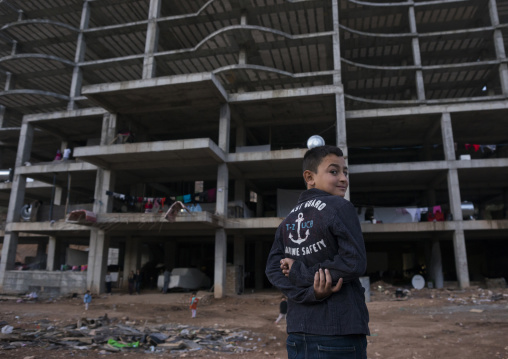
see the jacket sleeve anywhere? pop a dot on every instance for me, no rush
(350, 261)
(304, 294)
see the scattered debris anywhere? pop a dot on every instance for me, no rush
(112, 335)
(474, 295)
(495, 283)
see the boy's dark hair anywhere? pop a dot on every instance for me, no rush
(314, 156)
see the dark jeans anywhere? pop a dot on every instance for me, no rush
(305, 346)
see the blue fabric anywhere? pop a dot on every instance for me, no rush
(305, 346)
(187, 198)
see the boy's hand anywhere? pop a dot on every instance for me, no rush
(323, 284)
(285, 265)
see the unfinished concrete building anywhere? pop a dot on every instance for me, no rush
(211, 102)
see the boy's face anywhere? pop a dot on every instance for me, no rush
(331, 176)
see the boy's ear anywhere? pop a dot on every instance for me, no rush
(308, 177)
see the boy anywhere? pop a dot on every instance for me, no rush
(283, 310)
(87, 299)
(194, 304)
(316, 260)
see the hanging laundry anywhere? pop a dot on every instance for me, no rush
(474, 146)
(212, 195)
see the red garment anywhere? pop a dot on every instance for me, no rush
(194, 302)
(439, 216)
(431, 217)
(468, 146)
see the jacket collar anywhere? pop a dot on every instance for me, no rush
(312, 193)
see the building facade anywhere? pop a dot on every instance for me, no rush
(212, 102)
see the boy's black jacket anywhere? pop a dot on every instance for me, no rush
(322, 231)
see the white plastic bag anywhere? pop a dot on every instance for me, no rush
(7, 329)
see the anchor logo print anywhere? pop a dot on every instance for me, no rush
(299, 221)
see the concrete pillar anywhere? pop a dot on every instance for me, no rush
(16, 199)
(99, 242)
(447, 135)
(499, 46)
(415, 44)
(77, 75)
(454, 195)
(259, 273)
(221, 209)
(105, 180)
(10, 245)
(152, 40)
(337, 80)
(109, 129)
(9, 78)
(220, 263)
(221, 206)
(239, 259)
(436, 265)
(50, 260)
(224, 127)
(459, 243)
(242, 53)
(459, 247)
(97, 260)
(341, 137)
(455, 203)
(26, 137)
(340, 104)
(57, 200)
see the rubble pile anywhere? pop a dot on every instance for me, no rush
(382, 291)
(112, 335)
(478, 296)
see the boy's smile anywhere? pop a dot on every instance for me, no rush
(331, 176)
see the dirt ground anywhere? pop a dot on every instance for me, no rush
(426, 323)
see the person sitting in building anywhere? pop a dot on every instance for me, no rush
(58, 156)
(123, 136)
(67, 154)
